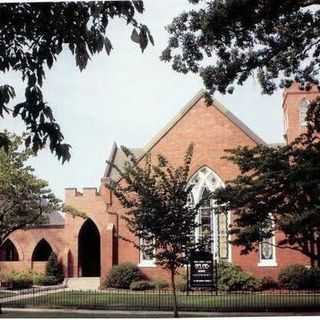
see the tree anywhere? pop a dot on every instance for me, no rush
(278, 190)
(158, 211)
(25, 200)
(32, 37)
(54, 268)
(228, 41)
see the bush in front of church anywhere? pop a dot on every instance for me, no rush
(122, 275)
(296, 276)
(142, 285)
(17, 280)
(232, 278)
(54, 270)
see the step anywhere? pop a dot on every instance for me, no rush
(83, 283)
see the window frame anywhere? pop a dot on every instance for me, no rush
(268, 262)
(303, 109)
(145, 262)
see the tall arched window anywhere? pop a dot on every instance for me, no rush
(42, 251)
(303, 109)
(9, 251)
(213, 227)
(206, 216)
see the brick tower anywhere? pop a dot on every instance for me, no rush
(295, 105)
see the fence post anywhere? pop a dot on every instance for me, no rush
(159, 299)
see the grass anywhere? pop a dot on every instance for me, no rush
(163, 301)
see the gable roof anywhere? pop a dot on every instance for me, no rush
(119, 158)
(216, 104)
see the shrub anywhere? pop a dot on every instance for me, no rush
(54, 268)
(293, 277)
(141, 285)
(232, 278)
(181, 284)
(38, 278)
(268, 283)
(182, 281)
(122, 275)
(313, 278)
(296, 276)
(160, 284)
(19, 280)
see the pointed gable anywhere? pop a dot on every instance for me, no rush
(191, 123)
(217, 105)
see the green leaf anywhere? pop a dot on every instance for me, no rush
(135, 36)
(107, 45)
(143, 39)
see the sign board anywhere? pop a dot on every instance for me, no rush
(202, 270)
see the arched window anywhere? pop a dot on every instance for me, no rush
(303, 109)
(9, 251)
(206, 216)
(42, 251)
(213, 227)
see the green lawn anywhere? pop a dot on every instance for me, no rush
(163, 301)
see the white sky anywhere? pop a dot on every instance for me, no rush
(128, 97)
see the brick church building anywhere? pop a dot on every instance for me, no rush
(90, 247)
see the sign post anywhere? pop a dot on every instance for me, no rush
(202, 274)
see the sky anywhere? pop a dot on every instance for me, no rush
(128, 97)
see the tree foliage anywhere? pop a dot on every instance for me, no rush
(227, 41)
(32, 37)
(283, 181)
(25, 200)
(156, 198)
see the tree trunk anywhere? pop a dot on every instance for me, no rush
(175, 305)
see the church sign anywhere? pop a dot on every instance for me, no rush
(201, 270)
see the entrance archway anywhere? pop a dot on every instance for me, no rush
(9, 251)
(89, 250)
(42, 251)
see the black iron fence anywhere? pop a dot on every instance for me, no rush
(275, 300)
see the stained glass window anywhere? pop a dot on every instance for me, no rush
(212, 232)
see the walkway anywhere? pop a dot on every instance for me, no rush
(69, 313)
(21, 296)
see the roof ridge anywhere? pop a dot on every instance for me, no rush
(239, 123)
(218, 105)
(174, 120)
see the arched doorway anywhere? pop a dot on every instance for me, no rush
(42, 251)
(8, 251)
(89, 250)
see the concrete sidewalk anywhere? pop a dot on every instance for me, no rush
(29, 295)
(72, 313)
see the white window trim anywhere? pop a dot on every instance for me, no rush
(268, 262)
(146, 263)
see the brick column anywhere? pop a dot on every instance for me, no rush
(106, 251)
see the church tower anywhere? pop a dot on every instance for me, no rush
(295, 105)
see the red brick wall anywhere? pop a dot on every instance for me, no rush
(212, 133)
(292, 98)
